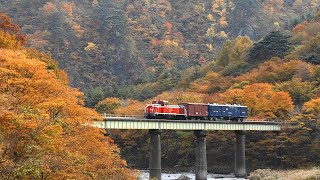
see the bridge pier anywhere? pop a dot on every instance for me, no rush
(155, 155)
(240, 158)
(201, 155)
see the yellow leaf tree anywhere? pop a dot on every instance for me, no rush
(261, 99)
(42, 125)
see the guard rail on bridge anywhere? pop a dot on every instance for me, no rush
(164, 124)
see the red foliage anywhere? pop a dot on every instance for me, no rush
(6, 25)
(155, 42)
(300, 27)
(168, 25)
(68, 7)
(202, 61)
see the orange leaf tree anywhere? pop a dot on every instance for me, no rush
(42, 125)
(7, 26)
(261, 100)
(312, 108)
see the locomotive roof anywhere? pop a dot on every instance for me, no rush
(153, 104)
(171, 105)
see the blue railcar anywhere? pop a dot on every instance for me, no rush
(227, 111)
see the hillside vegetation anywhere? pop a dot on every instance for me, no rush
(42, 132)
(108, 47)
(278, 81)
(264, 54)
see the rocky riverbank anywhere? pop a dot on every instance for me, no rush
(297, 174)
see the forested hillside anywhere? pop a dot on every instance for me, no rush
(42, 120)
(277, 77)
(109, 47)
(264, 54)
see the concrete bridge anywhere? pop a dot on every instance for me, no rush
(200, 128)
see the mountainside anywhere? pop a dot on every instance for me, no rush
(263, 54)
(44, 126)
(106, 46)
(277, 78)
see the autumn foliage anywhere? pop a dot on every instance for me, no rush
(277, 77)
(42, 126)
(7, 26)
(131, 107)
(108, 105)
(261, 100)
(279, 71)
(182, 51)
(312, 107)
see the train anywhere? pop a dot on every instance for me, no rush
(160, 109)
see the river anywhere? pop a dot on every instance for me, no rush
(144, 175)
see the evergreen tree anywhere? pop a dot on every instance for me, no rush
(94, 95)
(274, 45)
(311, 51)
(312, 58)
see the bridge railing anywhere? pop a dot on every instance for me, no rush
(284, 124)
(122, 116)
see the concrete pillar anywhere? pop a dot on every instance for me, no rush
(240, 158)
(155, 155)
(201, 155)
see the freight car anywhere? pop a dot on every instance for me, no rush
(196, 111)
(227, 112)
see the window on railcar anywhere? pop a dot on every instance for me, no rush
(230, 111)
(237, 111)
(244, 111)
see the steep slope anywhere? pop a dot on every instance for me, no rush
(42, 120)
(281, 85)
(92, 43)
(106, 46)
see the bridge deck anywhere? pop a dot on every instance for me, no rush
(133, 123)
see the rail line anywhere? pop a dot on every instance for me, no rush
(142, 118)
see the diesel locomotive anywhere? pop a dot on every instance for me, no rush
(160, 109)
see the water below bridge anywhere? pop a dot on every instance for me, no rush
(144, 175)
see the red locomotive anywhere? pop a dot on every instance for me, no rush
(160, 109)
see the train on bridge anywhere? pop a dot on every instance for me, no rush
(160, 109)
